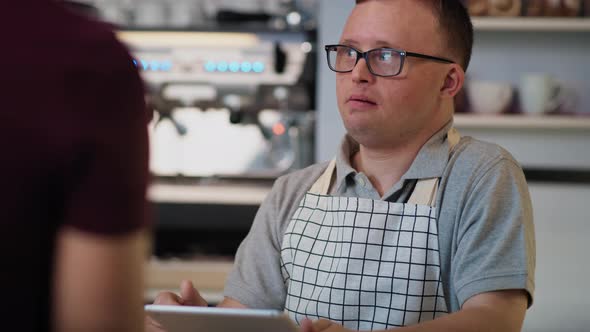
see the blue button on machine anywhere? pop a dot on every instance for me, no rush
(166, 66)
(145, 65)
(222, 66)
(258, 67)
(154, 65)
(234, 66)
(210, 66)
(246, 67)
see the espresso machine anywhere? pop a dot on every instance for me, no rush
(227, 104)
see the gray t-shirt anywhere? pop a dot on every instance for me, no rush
(486, 232)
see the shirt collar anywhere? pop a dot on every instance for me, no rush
(348, 147)
(429, 163)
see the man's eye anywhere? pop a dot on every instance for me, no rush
(351, 53)
(385, 56)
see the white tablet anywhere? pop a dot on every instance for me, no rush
(210, 319)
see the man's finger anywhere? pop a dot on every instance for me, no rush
(168, 298)
(316, 326)
(190, 296)
(321, 325)
(307, 325)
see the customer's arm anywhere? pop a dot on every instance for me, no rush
(101, 243)
(98, 281)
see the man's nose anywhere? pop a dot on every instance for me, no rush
(361, 73)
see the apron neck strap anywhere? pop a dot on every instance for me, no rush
(322, 185)
(426, 189)
(453, 138)
(424, 192)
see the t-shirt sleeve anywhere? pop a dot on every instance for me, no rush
(495, 241)
(256, 280)
(107, 178)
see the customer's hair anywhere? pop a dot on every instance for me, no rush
(455, 23)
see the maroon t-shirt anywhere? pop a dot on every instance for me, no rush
(73, 145)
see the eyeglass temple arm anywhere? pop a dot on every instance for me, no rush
(424, 56)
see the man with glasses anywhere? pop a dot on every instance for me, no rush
(410, 227)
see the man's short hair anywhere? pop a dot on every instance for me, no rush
(455, 23)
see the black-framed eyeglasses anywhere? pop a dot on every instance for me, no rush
(383, 61)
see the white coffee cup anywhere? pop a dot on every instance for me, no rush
(489, 97)
(540, 94)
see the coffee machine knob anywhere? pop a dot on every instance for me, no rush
(235, 116)
(234, 104)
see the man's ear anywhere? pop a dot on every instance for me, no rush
(453, 81)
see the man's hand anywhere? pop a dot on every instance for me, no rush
(322, 325)
(189, 296)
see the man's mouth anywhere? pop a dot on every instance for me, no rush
(361, 99)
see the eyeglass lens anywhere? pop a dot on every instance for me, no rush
(380, 61)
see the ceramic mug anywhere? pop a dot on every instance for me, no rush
(489, 97)
(540, 93)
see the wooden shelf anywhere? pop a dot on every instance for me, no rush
(544, 142)
(522, 122)
(547, 24)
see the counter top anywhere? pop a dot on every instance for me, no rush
(227, 193)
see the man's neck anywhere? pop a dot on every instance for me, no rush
(385, 167)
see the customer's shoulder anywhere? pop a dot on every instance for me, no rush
(80, 38)
(100, 42)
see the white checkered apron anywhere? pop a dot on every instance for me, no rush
(365, 264)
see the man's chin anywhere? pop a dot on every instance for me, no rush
(361, 134)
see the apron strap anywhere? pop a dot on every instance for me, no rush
(424, 193)
(453, 137)
(426, 189)
(322, 185)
